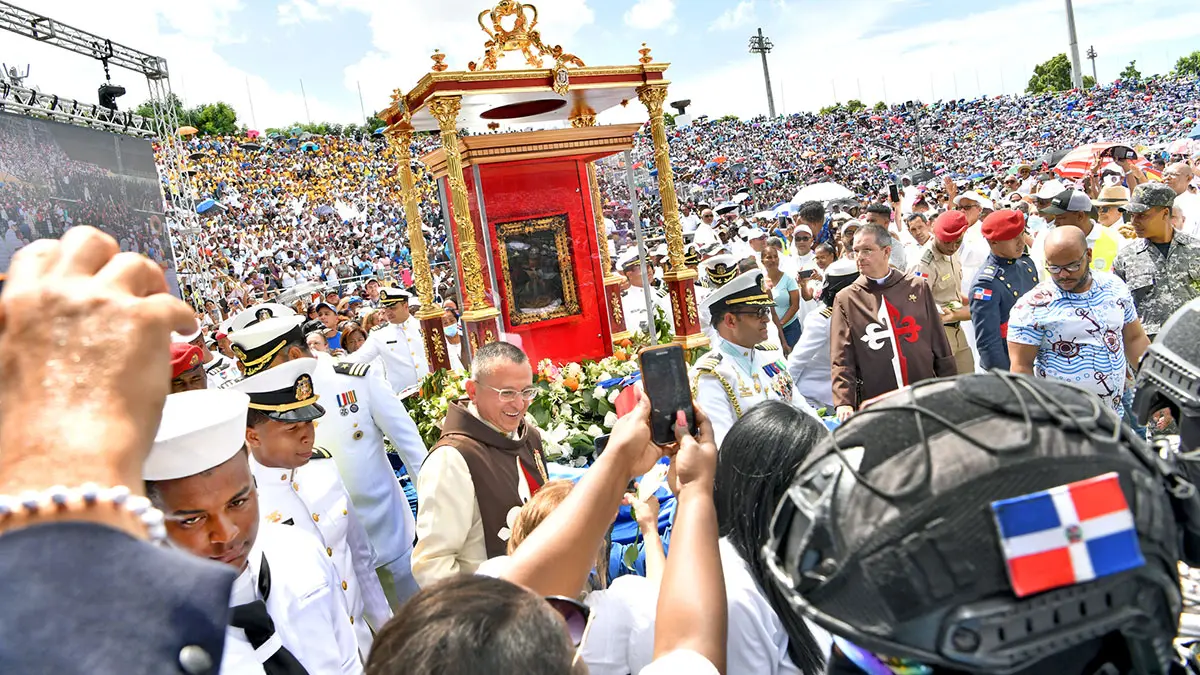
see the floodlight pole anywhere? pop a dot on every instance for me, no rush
(762, 46)
(1076, 70)
(1091, 54)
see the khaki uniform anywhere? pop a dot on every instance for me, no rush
(944, 275)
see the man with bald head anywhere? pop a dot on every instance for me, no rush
(1178, 177)
(1079, 326)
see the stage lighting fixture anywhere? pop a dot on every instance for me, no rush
(109, 93)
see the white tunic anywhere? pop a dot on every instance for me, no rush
(313, 499)
(636, 317)
(401, 350)
(310, 619)
(221, 372)
(810, 364)
(730, 380)
(355, 439)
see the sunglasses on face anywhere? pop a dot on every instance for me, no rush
(760, 313)
(578, 618)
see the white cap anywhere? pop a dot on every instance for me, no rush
(199, 430)
(1051, 189)
(284, 393)
(627, 258)
(718, 270)
(176, 337)
(974, 197)
(801, 226)
(745, 290)
(260, 312)
(659, 250)
(755, 233)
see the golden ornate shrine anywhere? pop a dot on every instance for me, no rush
(529, 177)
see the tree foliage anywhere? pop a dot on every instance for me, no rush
(1188, 66)
(215, 119)
(1055, 75)
(1131, 72)
(729, 118)
(854, 105)
(880, 107)
(831, 109)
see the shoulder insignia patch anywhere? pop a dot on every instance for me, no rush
(355, 369)
(927, 257)
(766, 347)
(988, 273)
(827, 312)
(708, 362)
(321, 453)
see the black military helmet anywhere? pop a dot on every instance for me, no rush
(985, 523)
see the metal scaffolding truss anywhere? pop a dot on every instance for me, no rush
(48, 106)
(173, 167)
(47, 30)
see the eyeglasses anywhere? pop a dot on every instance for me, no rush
(1073, 267)
(865, 251)
(759, 313)
(803, 238)
(510, 395)
(578, 618)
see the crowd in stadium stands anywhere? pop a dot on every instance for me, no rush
(296, 209)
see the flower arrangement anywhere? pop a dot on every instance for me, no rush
(575, 404)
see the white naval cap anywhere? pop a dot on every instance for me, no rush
(199, 430)
(391, 295)
(718, 270)
(628, 258)
(284, 393)
(261, 312)
(746, 290)
(178, 337)
(256, 346)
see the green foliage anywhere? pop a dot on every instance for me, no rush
(184, 116)
(855, 105)
(373, 123)
(669, 119)
(1055, 75)
(831, 109)
(1188, 66)
(880, 107)
(729, 118)
(215, 119)
(1131, 72)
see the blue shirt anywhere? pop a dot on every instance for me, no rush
(1079, 336)
(783, 297)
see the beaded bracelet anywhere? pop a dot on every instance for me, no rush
(59, 499)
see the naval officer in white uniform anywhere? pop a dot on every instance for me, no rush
(637, 318)
(366, 410)
(299, 485)
(741, 371)
(398, 344)
(288, 609)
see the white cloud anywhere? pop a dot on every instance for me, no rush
(299, 11)
(650, 14)
(735, 17)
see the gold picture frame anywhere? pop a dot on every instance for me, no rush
(534, 295)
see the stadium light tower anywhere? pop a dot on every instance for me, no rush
(762, 46)
(1091, 54)
(1076, 70)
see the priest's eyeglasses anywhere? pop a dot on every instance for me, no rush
(510, 395)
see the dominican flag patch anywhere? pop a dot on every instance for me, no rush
(983, 294)
(920, 275)
(1067, 535)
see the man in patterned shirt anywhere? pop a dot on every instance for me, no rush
(1079, 326)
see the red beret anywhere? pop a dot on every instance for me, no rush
(950, 226)
(1003, 225)
(184, 357)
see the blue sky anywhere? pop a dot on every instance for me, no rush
(259, 50)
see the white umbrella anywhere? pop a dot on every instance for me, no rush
(821, 192)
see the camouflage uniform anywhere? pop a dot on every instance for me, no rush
(1159, 286)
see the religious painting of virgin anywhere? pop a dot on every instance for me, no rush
(538, 268)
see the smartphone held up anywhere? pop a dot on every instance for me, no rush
(665, 380)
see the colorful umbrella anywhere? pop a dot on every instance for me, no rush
(253, 134)
(1078, 163)
(188, 131)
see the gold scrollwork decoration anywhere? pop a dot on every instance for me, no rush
(489, 336)
(691, 306)
(507, 234)
(523, 37)
(653, 96)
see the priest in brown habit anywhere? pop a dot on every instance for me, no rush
(487, 463)
(885, 332)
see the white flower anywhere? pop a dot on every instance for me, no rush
(603, 377)
(610, 419)
(594, 431)
(612, 395)
(598, 392)
(654, 479)
(556, 435)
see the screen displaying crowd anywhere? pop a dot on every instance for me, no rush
(54, 176)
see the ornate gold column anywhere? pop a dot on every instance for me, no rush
(679, 279)
(480, 315)
(430, 314)
(612, 282)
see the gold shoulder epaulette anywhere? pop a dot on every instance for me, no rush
(708, 362)
(321, 453)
